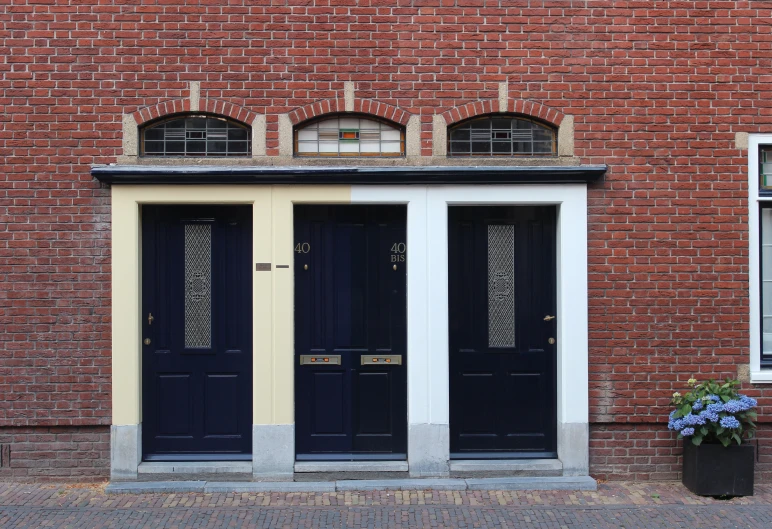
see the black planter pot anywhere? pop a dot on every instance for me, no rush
(712, 470)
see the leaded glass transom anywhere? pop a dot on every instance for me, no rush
(501, 136)
(196, 136)
(349, 136)
(501, 286)
(198, 285)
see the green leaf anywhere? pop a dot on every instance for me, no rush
(697, 440)
(704, 430)
(725, 441)
(737, 438)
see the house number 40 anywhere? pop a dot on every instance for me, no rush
(302, 247)
(398, 252)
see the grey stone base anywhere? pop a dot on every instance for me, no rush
(486, 468)
(351, 466)
(194, 467)
(522, 483)
(273, 451)
(428, 450)
(574, 448)
(125, 451)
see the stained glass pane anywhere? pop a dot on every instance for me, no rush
(501, 285)
(501, 136)
(349, 136)
(196, 136)
(198, 285)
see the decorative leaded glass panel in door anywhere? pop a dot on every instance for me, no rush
(501, 286)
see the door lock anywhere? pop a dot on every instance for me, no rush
(549, 318)
(551, 341)
(150, 318)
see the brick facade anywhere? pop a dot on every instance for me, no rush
(657, 89)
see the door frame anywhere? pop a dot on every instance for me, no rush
(427, 287)
(428, 317)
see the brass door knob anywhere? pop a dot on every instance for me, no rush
(146, 341)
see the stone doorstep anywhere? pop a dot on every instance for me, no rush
(351, 466)
(192, 467)
(520, 467)
(509, 483)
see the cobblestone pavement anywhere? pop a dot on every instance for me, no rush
(618, 505)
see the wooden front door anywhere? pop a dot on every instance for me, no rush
(502, 331)
(350, 332)
(197, 332)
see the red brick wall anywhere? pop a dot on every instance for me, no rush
(657, 90)
(79, 453)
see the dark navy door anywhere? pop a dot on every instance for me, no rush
(197, 332)
(502, 331)
(350, 332)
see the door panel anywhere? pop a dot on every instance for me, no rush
(350, 301)
(502, 366)
(197, 317)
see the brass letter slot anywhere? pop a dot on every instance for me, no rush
(313, 360)
(375, 360)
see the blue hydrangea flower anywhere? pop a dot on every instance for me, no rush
(709, 415)
(715, 408)
(697, 406)
(729, 422)
(686, 432)
(714, 398)
(747, 402)
(733, 406)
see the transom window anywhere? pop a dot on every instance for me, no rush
(349, 136)
(196, 135)
(501, 136)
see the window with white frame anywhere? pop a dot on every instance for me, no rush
(765, 230)
(760, 255)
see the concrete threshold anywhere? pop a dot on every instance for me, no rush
(193, 467)
(508, 483)
(512, 467)
(351, 466)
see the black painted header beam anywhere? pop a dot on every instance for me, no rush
(184, 174)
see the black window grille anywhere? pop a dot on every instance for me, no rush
(501, 136)
(196, 136)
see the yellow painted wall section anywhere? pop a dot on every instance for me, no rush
(273, 338)
(282, 408)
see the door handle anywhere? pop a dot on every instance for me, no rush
(549, 318)
(150, 318)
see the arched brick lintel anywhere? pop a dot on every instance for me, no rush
(361, 106)
(517, 106)
(209, 106)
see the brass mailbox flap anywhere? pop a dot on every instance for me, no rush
(308, 360)
(369, 360)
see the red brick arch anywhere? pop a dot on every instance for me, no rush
(210, 106)
(490, 106)
(362, 106)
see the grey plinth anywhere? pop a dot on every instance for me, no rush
(125, 451)
(273, 452)
(574, 448)
(428, 450)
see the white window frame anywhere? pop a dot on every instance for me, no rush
(758, 376)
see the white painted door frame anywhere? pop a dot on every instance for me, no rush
(428, 330)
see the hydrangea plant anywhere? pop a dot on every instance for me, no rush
(712, 412)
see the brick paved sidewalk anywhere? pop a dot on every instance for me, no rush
(618, 505)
